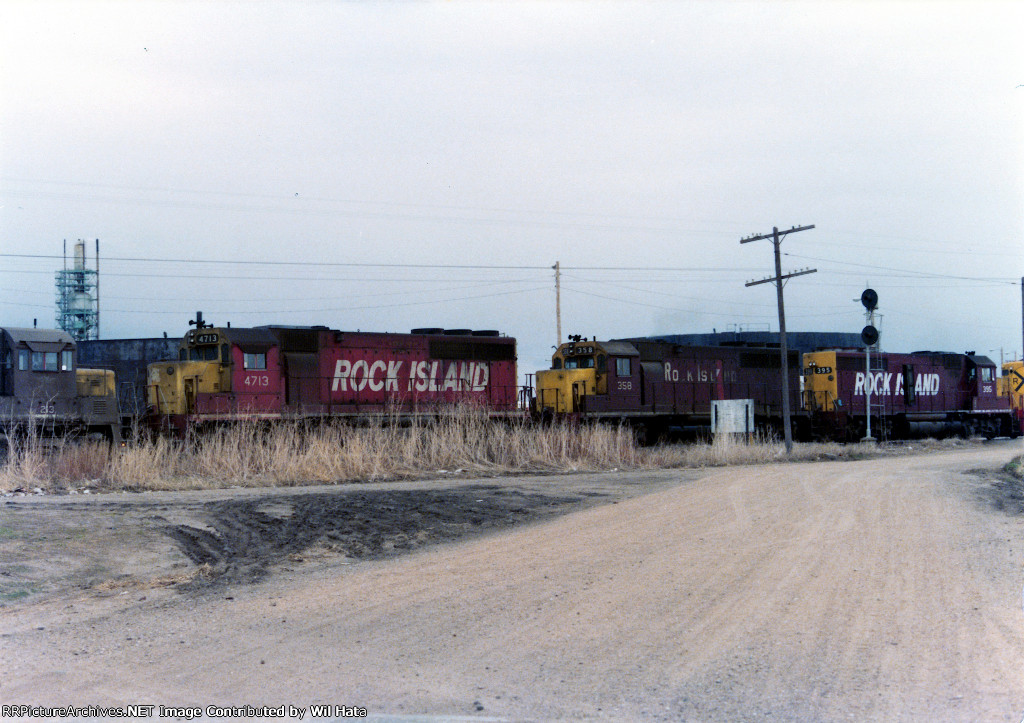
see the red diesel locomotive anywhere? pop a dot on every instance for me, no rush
(661, 388)
(911, 395)
(278, 372)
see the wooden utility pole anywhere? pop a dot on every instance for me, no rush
(97, 288)
(558, 301)
(776, 238)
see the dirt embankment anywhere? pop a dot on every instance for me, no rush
(186, 541)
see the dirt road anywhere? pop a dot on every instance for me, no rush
(887, 589)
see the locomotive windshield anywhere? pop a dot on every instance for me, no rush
(202, 353)
(586, 362)
(579, 356)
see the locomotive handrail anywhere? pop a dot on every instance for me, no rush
(160, 397)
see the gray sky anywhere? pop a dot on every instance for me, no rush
(636, 143)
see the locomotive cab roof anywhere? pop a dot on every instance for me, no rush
(980, 360)
(611, 348)
(35, 338)
(229, 333)
(618, 348)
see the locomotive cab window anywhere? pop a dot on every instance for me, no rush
(556, 363)
(23, 360)
(203, 353)
(586, 362)
(623, 368)
(44, 361)
(602, 364)
(225, 354)
(987, 374)
(255, 361)
(65, 361)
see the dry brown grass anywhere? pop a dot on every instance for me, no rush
(463, 441)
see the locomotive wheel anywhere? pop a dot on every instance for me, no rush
(641, 434)
(648, 435)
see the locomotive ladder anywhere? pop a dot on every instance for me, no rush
(878, 364)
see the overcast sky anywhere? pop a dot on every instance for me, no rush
(318, 147)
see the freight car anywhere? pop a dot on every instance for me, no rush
(42, 392)
(911, 395)
(278, 372)
(660, 388)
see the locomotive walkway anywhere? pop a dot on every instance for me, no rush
(887, 589)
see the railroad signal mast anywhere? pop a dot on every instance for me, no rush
(868, 335)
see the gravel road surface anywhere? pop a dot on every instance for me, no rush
(886, 589)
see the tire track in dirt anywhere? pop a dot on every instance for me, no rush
(245, 538)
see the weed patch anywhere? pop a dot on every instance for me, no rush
(462, 442)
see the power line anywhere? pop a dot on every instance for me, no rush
(324, 309)
(245, 262)
(292, 198)
(652, 306)
(911, 272)
(353, 264)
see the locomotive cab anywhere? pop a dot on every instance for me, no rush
(981, 382)
(219, 372)
(821, 390)
(579, 369)
(37, 378)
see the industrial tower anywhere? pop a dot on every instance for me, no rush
(78, 295)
